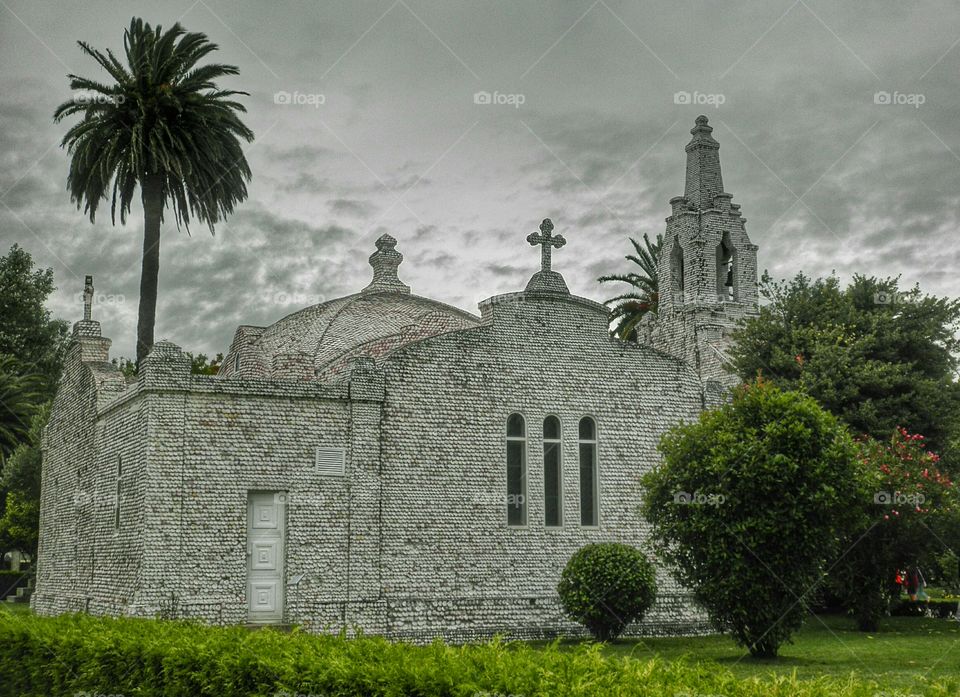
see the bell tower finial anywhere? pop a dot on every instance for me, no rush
(88, 299)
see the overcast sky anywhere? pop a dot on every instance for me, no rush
(588, 132)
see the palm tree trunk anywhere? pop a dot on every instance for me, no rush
(151, 190)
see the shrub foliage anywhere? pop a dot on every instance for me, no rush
(606, 586)
(71, 654)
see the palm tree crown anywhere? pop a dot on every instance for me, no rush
(628, 309)
(162, 124)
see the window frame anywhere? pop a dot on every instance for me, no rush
(596, 471)
(560, 477)
(525, 468)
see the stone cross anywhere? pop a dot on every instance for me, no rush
(88, 298)
(547, 242)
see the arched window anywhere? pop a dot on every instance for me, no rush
(589, 476)
(552, 478)
(516, 470)
(726, 270)
(676, 270)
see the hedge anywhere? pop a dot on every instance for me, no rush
(75, 654)
(938, 607)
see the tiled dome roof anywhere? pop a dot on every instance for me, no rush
(381, 317)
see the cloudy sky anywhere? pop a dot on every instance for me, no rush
(382, 133)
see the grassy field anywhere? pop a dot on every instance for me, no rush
(906, 653)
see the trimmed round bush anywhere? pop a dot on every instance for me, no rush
(606, 586)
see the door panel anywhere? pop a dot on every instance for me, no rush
(265, 554)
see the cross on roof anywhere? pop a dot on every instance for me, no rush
(547, 242)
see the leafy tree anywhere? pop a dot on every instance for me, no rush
(201, 365)
(631, 307)
(162, 125)
(876, 357)
(749, 504)
(20, 490)
(27, 331)
(904, 501)
(606, 586)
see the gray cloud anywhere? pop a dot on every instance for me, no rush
(399, 146)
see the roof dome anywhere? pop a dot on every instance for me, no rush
(319, 341)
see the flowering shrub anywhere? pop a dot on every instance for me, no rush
(905, 499)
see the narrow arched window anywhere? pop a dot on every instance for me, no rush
(516, 470)
(726, 270)
(552, 478)
(589, 476)
(676, 271)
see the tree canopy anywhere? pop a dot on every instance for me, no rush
(877, 357)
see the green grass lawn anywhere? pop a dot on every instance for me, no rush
(907, 652)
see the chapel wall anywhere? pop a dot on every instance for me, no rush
(451, 566)
(213, 442)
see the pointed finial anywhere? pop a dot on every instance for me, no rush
(385, 262)
(702, 130)
(88, 298)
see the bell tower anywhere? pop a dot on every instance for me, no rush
(708, 267)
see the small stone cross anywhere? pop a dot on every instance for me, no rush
(547, 242)
(88, 298)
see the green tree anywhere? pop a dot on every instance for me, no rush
(201, 365)
(874, 356)
(27, 332)
(20, 490)
(628, 309)
(748, 506)
(162, 125)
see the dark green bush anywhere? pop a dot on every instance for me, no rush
(606, 586)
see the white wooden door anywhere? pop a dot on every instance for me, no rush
(265, 532)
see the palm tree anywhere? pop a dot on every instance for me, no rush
(21, 395)
(162, 125)
(628, 309)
